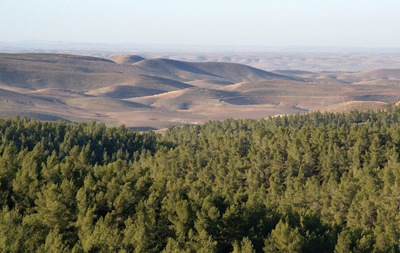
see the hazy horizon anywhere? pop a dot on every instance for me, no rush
(71, 47)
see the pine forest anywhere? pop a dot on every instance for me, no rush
(316, 182)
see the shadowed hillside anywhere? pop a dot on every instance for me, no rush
(237, 72)
(174, 69)
(200, 70)
(138, 86)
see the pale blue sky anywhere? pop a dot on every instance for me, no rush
(350, 23)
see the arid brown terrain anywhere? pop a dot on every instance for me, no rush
(155, 93)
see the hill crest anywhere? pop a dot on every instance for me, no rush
(126, 59)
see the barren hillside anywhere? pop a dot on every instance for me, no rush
(156, 93)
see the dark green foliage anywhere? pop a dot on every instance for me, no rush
(301, 183)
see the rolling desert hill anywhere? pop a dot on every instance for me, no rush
(125, 59)
(188, 71)
(174, 69)
(355, 105)
(186, 99)
(138, 86)
(379, 74)
(237, 72)
(156, 93)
